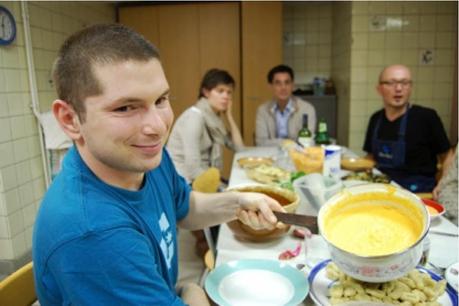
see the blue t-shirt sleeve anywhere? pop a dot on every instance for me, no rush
(115, 267)
(180, 188)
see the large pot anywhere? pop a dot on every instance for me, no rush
(364, 200)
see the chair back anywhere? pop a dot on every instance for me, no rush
(18, 289)
(208, 181)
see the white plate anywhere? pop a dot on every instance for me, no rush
(452, 275)
(256, 282)
(319, 285)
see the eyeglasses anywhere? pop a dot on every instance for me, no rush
(393, 83)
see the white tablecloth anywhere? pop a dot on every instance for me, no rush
(443, 249)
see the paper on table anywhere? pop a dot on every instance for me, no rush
(316, 250)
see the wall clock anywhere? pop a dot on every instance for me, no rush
(7, 26)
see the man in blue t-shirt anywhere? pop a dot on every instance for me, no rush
(106, 233)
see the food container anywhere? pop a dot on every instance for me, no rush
(408, 210)
(288, 199)
(317, 188)
(254, 161)
(308, 160)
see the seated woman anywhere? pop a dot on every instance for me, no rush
(196, 140)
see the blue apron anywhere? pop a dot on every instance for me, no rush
(390, 155)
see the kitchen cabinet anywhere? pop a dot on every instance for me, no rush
(261, 51)
(244, 38)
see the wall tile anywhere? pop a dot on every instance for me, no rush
(19, 246)
(3, 208)
(6, 153)
(376, 7)
(29, 213)
(2, 82)
(372, 94)
(445, 40)
(360, 8)
(17, 127)
(444, 57)
(373, 75)
(425, 75)
(23, 172)
(410, 8)
(358, 108)
(409, 40)
(13, 81)
(375, 58)
(427, 40)
(360, 23)
(24, 78)
(15, 105)
(20, 149)
(10, 58)
(443, 74)
(427, 7)
(359, 58)
(9, 177)
(443, 91)
(425, 90)
(410, 23)
(36, 168)
(4, 229)
(33, 146)
(28, 234)
(392, 56)
(16, 223)
(376, 41)
(394, 7)
(447, 7)
(360, 41)
(446, 23)
(427, 23)
(410, 57)
(5, 130)
(393, 39)
(38, 188)
(358, 75)
(6, 249)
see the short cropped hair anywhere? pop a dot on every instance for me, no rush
(280, 69)
(73, 70)
(213, 78)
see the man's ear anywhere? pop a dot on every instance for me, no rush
(68, 119)
(379, 89)
(205, 92)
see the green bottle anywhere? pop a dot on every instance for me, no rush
(322, 137)
(305, 135)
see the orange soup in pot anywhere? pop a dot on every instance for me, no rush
(373, 224)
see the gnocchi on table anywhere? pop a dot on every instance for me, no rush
(414, 289)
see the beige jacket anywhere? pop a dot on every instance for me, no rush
(265, 131)
(196, 141)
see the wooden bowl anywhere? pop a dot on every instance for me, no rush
(288, 199)
(357, 164)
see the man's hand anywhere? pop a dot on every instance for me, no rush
(256, 210)
(229, 109)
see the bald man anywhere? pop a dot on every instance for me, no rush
(405, 140)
